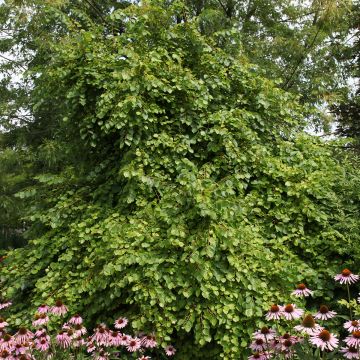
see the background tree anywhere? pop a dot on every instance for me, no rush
(348, 111)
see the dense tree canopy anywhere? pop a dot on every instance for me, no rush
(160, 174)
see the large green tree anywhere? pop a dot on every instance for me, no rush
(347, 111)
(182, 191)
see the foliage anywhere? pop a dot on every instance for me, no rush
(181, 190)
(347, 110)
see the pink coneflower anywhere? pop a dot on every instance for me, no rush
(3, 323)
(102, 355)
(287, 336)
(5, 305)
(308, 326)
(100, 335)
(43, 309)
(23, 336)
(258, 345)
(114, 338)
(324, 340)
(63, 339)
(20, 349)
(66, 326)
(352, 325)
(353, 340)
(274, 313)
(291, 312)
(265, 334)
(121, 322)
(350, 353)
(133, 344)
(346, 277)
(302, 290)
(76, 320)
(324, 313)
(144, 358)
(59, 308)
(5, 354)
(148, 341)
(170, 350)
(40, 319)
(7, 342)
(78, 342)
(90, 347)
(124, 339)
(259, 356)
(42, 344)
(79, 330)
(287, 348)
(39, 332)
(29, 357)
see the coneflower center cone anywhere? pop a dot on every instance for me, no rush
(324, 309)
(308, 321)
(324, 335)
(346, 272)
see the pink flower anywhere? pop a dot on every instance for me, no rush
(284, 342)
(144, 358)
(78, 342)
(290, 312)
(258, 345)
(346, 277)
(42, 344)
(43, 309)
(324, 313)
(308, 326)
(7, 342)
(5, 354)
(259, 356)
(124, 339)
(170, 350)
(3, 323)
(76, 320)
(133, 344)
(20, 349)
(352, 325)
(79, 330)
(121, 323)
(102, 355)
(114, 338)
(41, 319)
(63, 339)
(23, 336)
(148, 341)
(40, 332)
(100, 335)
(353, 340)
(324, 340)
(90, 347)
(350, 353)
(302, 290)
(274, 313)
(265, 334)
(5, 305)
(59, 308)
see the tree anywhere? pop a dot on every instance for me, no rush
(184, 193)
(347, 111)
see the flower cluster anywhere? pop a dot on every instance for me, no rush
(73, 338)
(308, 334)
